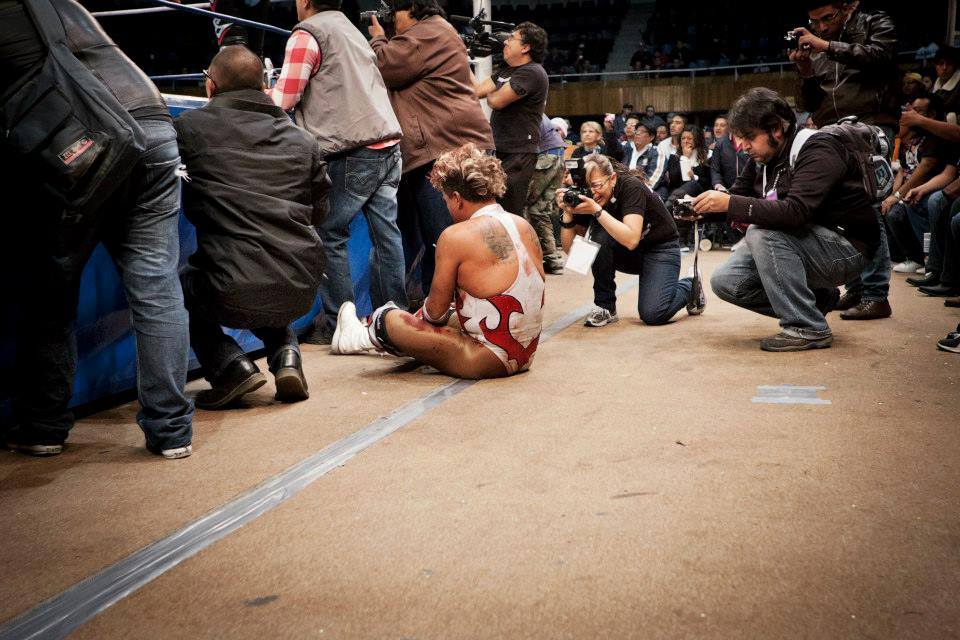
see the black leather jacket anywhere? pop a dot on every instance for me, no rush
(857, 75)
(94, 48)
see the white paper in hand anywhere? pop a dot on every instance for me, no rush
(582, 254)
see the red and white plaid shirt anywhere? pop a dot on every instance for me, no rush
(300, 63)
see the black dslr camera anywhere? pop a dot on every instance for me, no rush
(480, 42)
(384, 14)
(792, 40)
(571, 197)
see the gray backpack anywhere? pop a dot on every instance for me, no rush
(867, 144)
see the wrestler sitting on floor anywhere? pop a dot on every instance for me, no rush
(488, 262)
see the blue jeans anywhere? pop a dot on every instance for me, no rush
(938, 214)
(363, 180)
(660, 295)
(138, 226)
(908, 223)
(422, 216)
(873, 283)
(777, 273)
(950, 275)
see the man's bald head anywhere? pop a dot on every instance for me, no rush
(236, 67)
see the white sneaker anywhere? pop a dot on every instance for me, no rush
(176, 454)
(350, 336)
(908, 267)
(600, 317)
(922, 270)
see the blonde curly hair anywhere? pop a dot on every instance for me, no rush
(470, 172)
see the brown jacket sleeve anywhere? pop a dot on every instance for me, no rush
(399, 60)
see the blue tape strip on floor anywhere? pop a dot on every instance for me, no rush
(65, 612)
(788, 394)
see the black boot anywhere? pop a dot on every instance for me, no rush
(288, 376)
(240, 377)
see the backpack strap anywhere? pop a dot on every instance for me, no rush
(47, 21)
(798, 141)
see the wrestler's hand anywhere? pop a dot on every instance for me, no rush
(712, 201)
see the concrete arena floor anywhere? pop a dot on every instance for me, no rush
(625, 487)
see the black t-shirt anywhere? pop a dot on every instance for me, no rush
(631, 196)
(516, 127)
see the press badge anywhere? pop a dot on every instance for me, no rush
(582, 254)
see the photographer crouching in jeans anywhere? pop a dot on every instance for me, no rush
(636, 235)
(812, 224)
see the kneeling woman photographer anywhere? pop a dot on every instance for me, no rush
(636, 235)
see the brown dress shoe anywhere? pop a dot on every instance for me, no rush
(847, 301)
(951, 302)
(868, 310)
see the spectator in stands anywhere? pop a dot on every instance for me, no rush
(641, 155)
(629, 129)
(922, 156)
(330, 70)
(727, 159)
(720, 128)
(257, 186)
(811, 223)
(935, 198)
(49, 248)
(912, 88)
(517, 93)
(636, 235)
(591, 139)
(427, 72)
(662, 133)
(620, 121)
(540, 211)
(668, 146)
(652, 120)
(687, 172)
(947, 85)
(847, 65)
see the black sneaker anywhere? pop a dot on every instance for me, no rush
(19, 440)
(786, 342)
(951, 342)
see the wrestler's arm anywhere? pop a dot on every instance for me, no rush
(449, 255)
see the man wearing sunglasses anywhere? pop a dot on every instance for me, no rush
(846, 59)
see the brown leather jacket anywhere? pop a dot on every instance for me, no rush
(427, 72)
(857, 75)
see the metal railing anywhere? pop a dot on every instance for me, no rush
(692, 72)
(166, 5)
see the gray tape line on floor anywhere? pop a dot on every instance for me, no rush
(61, 614)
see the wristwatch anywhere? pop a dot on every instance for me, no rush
(598, 213)
(567, 225)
